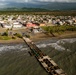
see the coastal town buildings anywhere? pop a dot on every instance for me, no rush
(19, 21)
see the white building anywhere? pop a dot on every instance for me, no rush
(7, 26)
(1, 21)
(17, 25)
(60, 22)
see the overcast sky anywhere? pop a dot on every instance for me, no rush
(4, 3)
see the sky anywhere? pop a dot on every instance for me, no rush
(5, 3)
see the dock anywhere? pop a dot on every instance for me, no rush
(45, 61)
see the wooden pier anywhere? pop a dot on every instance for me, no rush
(47, 63)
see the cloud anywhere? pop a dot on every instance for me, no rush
(58, 0)
(4, 3)
(37, 1)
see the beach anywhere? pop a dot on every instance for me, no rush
(18, 40)
(42, 36)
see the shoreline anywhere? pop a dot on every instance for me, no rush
(18, 40)
(61, 36)
(41, 37)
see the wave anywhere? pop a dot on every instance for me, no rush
(63, 41)
(13, 47)
(56, 44)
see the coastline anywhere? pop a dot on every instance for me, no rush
(58, 36)
(18, 40)
(41, 36)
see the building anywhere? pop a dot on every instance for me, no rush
(29, 25)
(42, 24)
(17, 25)
(5, 25)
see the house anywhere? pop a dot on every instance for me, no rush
(30, 25)
(17, 25)
(1, 21)
(6, 25)
(69, 22)
(59, 23)
(42, 24)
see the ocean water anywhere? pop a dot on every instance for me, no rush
(15, 59)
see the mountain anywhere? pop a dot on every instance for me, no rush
(24, 9)
(61, 6)
(41, 6)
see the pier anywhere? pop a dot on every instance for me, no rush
(46, 62)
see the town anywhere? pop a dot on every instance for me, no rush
(26, 24)
(20, 21)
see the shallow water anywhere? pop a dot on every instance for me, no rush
(56, 44)
(62, 51)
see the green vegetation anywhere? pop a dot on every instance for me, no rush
(34, 9)
(56, 29)
(18, 35)
(13, 37)
(25, 9)
(56, 13)
(5, 34)
(28, 36)
(5, 38)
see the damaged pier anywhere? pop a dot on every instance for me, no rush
(47, 63)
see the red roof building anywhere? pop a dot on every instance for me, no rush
(29, 25)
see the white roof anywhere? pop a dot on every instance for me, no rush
(16, 23)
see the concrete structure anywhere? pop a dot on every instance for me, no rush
(47, 63)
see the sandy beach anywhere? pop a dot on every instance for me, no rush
(18, 40)
(42, 36)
